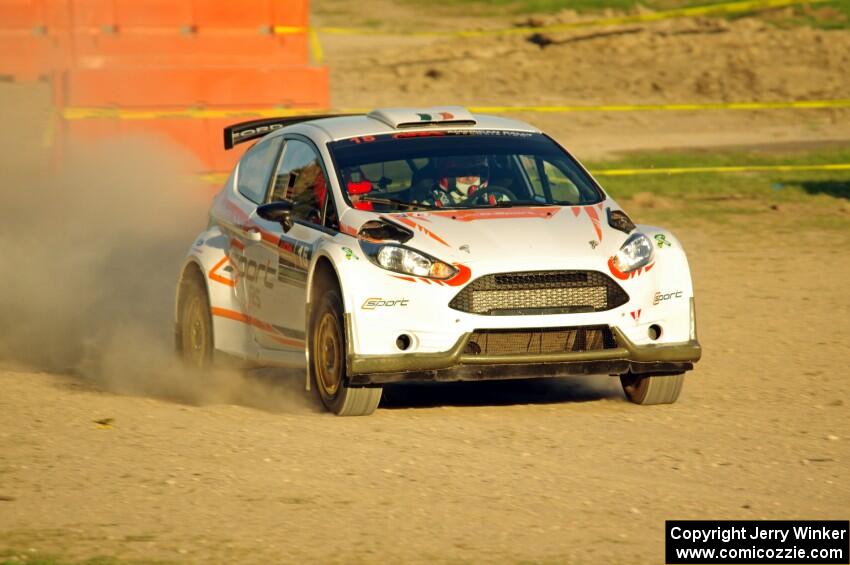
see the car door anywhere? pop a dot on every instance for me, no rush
(252, 184)
(301, 178)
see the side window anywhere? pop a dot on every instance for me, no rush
(300, 178)
(255, 169)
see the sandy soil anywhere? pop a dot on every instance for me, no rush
(558, 470)
(551, 470)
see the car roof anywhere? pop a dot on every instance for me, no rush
(394, 120)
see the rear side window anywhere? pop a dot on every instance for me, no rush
(255, 169)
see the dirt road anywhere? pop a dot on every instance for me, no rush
(553, 470)
(249, 470)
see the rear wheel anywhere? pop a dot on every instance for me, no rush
(327, 362)
(652, 389)
(195, 336)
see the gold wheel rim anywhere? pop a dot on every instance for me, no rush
(328, 360)
(195, 336)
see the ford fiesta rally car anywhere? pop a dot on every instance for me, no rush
(429, 245)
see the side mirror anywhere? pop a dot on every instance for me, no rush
(280, 212)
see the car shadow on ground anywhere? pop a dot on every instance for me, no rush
(283, 391)
(500, 393)
(835, 188)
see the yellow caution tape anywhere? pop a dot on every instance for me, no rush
(213, 178)
(794, 104)
(730, 169)
(89, 113)
(710, 10)
(220, 178)
(316, 50)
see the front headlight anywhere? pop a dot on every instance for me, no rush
(636, 252)
(405, 260)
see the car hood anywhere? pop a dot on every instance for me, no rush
(540, 237)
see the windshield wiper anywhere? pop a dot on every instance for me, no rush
(394, 202)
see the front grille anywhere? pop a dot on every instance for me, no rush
(540, 292)
(539, 340)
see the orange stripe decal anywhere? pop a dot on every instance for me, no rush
(630, 275)
(411, 224)
(615, 271)
(405, 221)
(434, 236)
(251, 321)
(269, 237)
(348, 230)
(462, 276)
(213, 274)
(594, 218)
(230, 314)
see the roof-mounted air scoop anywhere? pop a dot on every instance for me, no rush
(416, 117)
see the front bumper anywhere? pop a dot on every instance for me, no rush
(455, 365)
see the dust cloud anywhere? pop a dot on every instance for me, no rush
(91, 256)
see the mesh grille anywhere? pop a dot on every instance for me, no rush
(536, 341)
(540, 292)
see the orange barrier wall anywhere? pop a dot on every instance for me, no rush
(236, 49)
(26, 46)
(181, 33)
(168, 88)
(201, 13)
(38, 37)
(124, 91)
(162, 55)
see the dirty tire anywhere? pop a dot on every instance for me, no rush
(327, 362)
(195, 332)
(652, 389)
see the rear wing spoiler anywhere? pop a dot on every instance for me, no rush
(246, 131)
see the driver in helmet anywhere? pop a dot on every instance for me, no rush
(458, 180)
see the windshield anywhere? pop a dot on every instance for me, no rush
(459, 170)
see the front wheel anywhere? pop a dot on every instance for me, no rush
(327, 362)
(652, 389)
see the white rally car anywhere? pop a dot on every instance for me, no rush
(430, 245)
